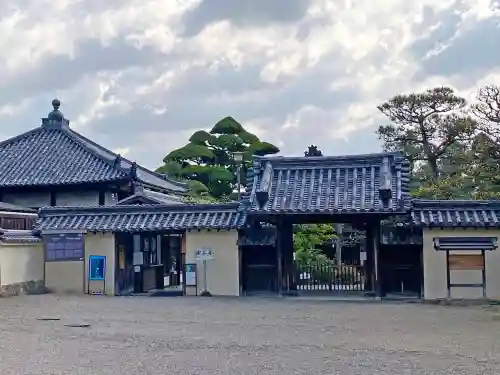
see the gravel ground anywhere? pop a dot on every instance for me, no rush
(162, 336)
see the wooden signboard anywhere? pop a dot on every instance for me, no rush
(466, 262)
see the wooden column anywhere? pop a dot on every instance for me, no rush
(376, 262)
(369, 259)
(372, 283)
(279, 255)
(288, 270)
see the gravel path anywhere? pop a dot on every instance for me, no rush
(163, 336)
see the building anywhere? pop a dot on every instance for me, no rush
(52, 165)
(144, 247)
(21, 252)
(136, 234)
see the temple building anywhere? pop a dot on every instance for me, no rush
(52, 165)
(108, 226)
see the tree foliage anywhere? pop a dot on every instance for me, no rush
(453, 148)
(425, 125)
(207, 157)
(308, 238)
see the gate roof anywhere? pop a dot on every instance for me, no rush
(371, 183)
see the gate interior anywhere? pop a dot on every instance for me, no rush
(401, 269)
(329, 277)
(259, 269)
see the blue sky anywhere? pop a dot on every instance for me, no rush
(139, 76)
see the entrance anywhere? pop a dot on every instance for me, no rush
(401, 270)
(148, 261)
(259, 267)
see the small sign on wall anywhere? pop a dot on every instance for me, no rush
(204, 253)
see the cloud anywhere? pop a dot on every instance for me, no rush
(142, 76)
(243, 13)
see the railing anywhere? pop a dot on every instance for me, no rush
(330, 278)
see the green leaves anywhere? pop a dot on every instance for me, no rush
(208, 157)
(424, 125)
(307, 238)
(227, 125)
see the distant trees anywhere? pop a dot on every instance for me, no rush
(454, 148)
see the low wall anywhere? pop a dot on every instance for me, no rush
(223, 270)
(21, 269)
(435, 284)
(71, 277)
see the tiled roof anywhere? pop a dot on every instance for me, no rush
(146, 196)
(344, 184)
(18, 236)
(138, 218)
(53, 154)
(455, 213)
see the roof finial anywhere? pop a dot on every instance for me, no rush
(56, 103)
(312, 150)
(55, 117)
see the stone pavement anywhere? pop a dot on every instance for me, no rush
(182, 335)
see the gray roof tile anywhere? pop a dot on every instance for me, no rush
(455, 213)
(53, 154)
(146, 196)
(138, 218)
(360, 183)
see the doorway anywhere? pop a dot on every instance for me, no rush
(259, 270)
(401, 270)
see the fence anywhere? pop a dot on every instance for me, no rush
(330, 278)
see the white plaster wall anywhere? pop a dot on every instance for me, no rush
(78, 198)
(104, 245)
(75, 198)
(435, 268)
(34, 200)
(21, 263)
(83, 198)
(223, 271)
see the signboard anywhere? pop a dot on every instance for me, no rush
(97, 267)
(138, 259)
(191, 274)
(204, 253)
(64, 246)
(466, 262)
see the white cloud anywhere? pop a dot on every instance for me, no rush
(129, 75)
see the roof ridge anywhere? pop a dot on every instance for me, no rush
(424, 203)
(136, 209)
(374, 155)
(82, 139)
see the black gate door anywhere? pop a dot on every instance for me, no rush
(327, 278)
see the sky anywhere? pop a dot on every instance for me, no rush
(140, 76)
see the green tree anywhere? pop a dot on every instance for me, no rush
(308, 238)
(425, 126)
(207, 158)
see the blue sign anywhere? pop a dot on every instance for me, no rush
(97, 267)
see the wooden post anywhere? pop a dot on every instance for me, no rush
(373, 282)
(376, 262)
(279, 249)
(369, 259)
(288, 264)
(338, 243)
